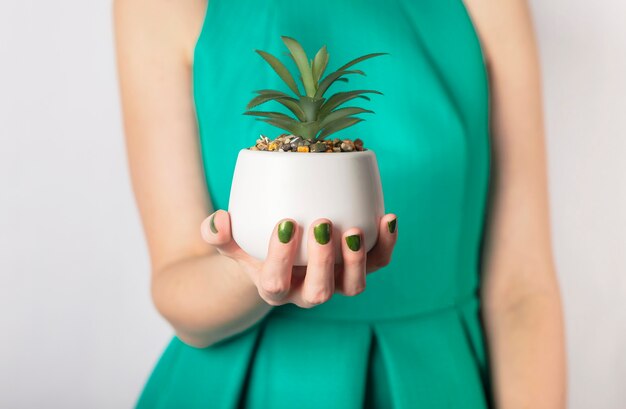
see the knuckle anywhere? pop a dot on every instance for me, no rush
(355, 262)
(282, 259)
(270, 301)
(303, 304)
(274, 287)
(318, 296)
(355, 290)
(324, 259)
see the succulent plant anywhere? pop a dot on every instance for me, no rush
(316, 117)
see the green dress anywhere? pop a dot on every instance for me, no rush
(413, 339)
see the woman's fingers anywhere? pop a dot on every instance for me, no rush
(275, 278)
(216, 231)
(319, 281)
(354, 260)
(275, 274)
(380, 255)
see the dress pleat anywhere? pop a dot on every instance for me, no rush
(427, 366)
(285, 362)
(212, 377)
(310, 364)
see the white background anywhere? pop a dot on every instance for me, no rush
(77, 326)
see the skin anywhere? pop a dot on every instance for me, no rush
(202, 282)
(520, 293)
(209, 289)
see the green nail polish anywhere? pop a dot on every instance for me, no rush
(212, 223)
(285, 231)
(322, 233)
(391, 225)
(354, 242)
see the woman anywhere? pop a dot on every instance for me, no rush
(460, 118)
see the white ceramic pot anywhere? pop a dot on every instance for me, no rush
(268, 186)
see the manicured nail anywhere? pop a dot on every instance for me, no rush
(354, 242)
(391, 225)
(212, 223)
(285, 231)
(322, 233)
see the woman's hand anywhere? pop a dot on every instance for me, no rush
(280, 282)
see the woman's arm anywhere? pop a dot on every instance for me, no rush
(521, 300)
(205, 296)
(203, 283)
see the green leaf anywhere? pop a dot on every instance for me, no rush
(265, 96)
(330, 78)
(341, 97)
(271, 91)
(292, 127)
(341, 113)
(319, 64)
(293, 105)
(338, 125)
(281, 70)
(273, 115)
(311, 107)
(357, 60)
(302, 62)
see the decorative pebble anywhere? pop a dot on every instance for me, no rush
(358, 144)
(263, 139)
(347, 145)
(292, 143)
(318, 147)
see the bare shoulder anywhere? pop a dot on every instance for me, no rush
(159, 26)
(505, 28)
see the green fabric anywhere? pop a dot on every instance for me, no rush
(413, 338)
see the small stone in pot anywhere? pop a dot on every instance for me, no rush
(318, 147)
(347, 145)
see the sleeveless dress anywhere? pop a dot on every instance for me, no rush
(413, 339)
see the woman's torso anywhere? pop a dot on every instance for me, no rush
(429, 130)
(416, 327)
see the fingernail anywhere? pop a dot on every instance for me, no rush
(212, 223)
(322, 233)
(391, 225)
(354, 242)
(285, 231)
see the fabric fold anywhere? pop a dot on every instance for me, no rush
(212, 377)
(427, 365)
(309, 364)
(470, 319)
(432, 361)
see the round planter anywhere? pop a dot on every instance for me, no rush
(267, 186)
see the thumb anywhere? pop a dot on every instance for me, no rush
(216, 231)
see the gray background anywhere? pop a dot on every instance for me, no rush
(77, 326)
